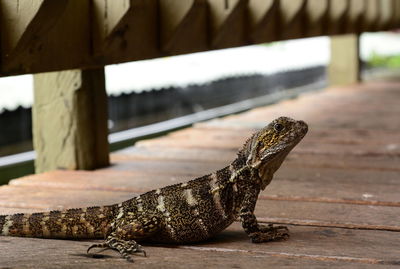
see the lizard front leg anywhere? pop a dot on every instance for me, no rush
(122, 239)
(259, 233)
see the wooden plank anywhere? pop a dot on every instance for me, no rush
(22, 23)
(320, 242)
(357, 11)
(183, 26)
(338, 15)
(231, 249)
(124, 30)
(228, 23)
(86, 34)
(15, 210)
(264, 20)
(293, 182)
(317, 17)
(329, 214)
(44, 199)
(293, 18)
(356, 142)
(298, 159)
(371, 15)
(397, 15)
(52, 30)
(386, 12)
(70, 120)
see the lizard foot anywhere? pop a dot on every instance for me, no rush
(270, 233)
(124, 247)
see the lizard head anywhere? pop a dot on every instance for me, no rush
(266, 149)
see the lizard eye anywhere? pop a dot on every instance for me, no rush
(278, 127)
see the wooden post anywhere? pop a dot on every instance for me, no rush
(344, 67)
(70, 120)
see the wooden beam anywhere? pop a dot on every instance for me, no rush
(23, 23)
(385, 14)
(397, 20)
(317, 17)
(344, 67)
(338, 16)
(393, 24)
(70, 120)
(356, 16)
(264, 20)
(371, 15)
(397, 15)
(50, 35)
(183, 26)
(228, 23)
(293, 18)
(124, 30)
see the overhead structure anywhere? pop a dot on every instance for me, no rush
(47, 35)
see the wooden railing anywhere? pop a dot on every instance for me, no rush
(82, 36)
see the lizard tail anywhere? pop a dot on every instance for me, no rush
(90, 222)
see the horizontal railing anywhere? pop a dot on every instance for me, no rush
(48, 35)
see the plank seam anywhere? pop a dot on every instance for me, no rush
(294, 255)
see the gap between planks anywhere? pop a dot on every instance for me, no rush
(293, 255)
(317, 223)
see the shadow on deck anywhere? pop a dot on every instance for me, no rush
(339, 190)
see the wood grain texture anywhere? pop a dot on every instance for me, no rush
(124, 30)
(264, 20)
(90, 33)
(70, 120)
(184, 26)
(342, 207)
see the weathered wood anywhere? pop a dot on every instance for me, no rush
(342, 210)
(44, 31)
(44, 199)
(371, 15)
(326, 248)
(264, 20)
(317, 17)
(70, 120)
(338, 13)
(228, 23)
(395, 18)
(293, 182)
(124, 30)
(357, 11)
(93, 33)
(293, 18)
(183, 26)
(386, 11)
(344, 66)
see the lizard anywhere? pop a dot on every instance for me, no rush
(182, 213)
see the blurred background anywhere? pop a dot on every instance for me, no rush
(173, 92)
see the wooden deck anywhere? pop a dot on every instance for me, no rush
(338, 191)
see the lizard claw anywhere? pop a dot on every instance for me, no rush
(124, 247)
(270, 233)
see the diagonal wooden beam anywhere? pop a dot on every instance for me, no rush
(124, 30)
(264, 18)
(184, 26)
